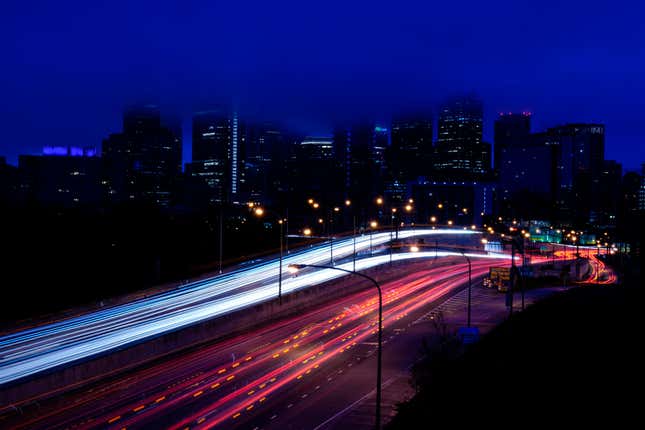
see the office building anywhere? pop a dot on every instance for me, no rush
(411, 152)
(354, 149)
(511, 130)
(65, 177)
(460, 151)
(143, 162)
(218, 161)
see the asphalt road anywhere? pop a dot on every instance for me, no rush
(295, 373)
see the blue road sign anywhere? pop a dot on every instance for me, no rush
(468, 335)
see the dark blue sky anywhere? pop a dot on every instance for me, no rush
(69, 67)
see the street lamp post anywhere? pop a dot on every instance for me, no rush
(221, 238)
(296, 267)
(373, 225)
(259, 212)
(469, 285)
(391, 234)
(280, 266)
(354, 251)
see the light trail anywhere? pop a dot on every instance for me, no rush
(42, 348)
(267, 363)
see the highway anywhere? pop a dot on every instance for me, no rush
(241, 382)
(34, 350)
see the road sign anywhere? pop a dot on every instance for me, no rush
(468, 335)
(500, 277)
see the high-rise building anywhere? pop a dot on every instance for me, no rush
(580, 157)
(62, 177)
(523, 166)
(609, 192)
(380, 146)
(143, 162)
(315, 172)
(353, 148)
(316, 148)
(411, 152)
(219, 140)
(511, 129)
(267, 156)
(461, 152)
(557, 174)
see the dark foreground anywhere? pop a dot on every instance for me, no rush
(572, 359)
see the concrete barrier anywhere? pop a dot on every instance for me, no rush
(79, 374)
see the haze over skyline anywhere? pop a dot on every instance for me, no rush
(71, 67)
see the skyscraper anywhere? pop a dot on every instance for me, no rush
(461, 153)
(267, 156)
(580, 161)
(218, 155)
(511, 129)
(411, 152)
(315, 148)
(144, 161)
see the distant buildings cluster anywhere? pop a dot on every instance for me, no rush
(559, 174)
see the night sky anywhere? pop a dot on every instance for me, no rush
(69, 67)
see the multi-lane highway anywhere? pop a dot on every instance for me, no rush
(45, 347)
(241, 382)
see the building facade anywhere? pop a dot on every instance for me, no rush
(143, 162)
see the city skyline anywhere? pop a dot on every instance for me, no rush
(319, 215)
(184, 129)
(69, 76)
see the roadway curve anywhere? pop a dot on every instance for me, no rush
(236, 382)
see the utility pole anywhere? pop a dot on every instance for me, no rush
(354, 252)
(221, 236)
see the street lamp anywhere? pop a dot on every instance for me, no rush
(373, 225)
(469, 285)
(293, 268)
(259, 212)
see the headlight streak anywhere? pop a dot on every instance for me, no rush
(312, 335)
(41, 348)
